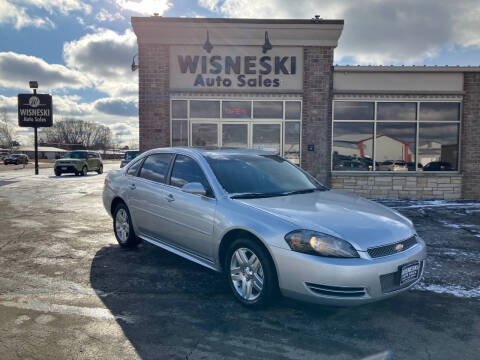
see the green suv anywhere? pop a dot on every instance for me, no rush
(79, 163)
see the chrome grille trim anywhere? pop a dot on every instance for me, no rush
(386, 250)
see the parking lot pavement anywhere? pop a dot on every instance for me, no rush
(68, 291)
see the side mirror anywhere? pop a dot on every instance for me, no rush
(194, 188)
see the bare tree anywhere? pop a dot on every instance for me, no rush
(7, 132)
(70, 131)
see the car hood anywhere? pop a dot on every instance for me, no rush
(362, 222)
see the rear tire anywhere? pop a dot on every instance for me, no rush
(250, 273)
(84, 171)
(100, 170)
(58, 173)
(122, 227)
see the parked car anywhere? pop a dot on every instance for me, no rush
(265, 223)
(411, 166)
(3, 156)
(79, 163)
(438, 166)
(391, 165)
(129, 156)
(16, 159)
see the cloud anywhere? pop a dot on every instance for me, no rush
(16, 70)
(123, 130)
(376, 32)
(117, 106)
(63, 6)
(107, 16)
(18, 17)
(105, 57)
(145, 7)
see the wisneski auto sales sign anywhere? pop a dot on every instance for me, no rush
(228, 68)
(35, 110)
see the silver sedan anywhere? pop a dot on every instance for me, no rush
(268, 225)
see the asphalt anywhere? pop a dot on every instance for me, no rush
(68, 291)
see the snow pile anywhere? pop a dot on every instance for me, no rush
(454, 290)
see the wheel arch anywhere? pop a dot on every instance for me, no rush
(116, 200)
(237, 233)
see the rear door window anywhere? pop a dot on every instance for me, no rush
(155, 167)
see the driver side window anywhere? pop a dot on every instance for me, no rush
(186, 170)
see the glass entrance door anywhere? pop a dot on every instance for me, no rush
(235, 135)
(204, 134)
(267, 136)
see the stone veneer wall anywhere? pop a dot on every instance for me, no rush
(400, 186)
(154, 100)
(317, 111)
(470, 137)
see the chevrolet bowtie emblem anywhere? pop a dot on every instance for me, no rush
(399, 247)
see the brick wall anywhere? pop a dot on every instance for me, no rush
(154, 103)
(317, 109)
(400, 186)
(470, 137)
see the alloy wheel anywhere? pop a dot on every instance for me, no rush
(246, 273)
(122, 225)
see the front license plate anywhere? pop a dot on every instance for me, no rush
(64, 168)
(409, 272)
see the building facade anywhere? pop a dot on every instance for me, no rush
(377, 131)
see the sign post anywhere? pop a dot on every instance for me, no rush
(35, 110)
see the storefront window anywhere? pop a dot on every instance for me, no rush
(179, 109)
(235, 135)
(293, 110)
(206, 109)
(438, 146)
(395, 146)
(397, 111)
(292, 141)
(239, 122)
(354, 110)
(439, 111)
(268, 109)
(267, 137)
(180, 133)
(353, 146)
(236, 109)
(204, 135)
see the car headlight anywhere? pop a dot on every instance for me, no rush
(315, 243)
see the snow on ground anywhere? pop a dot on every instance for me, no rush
(455, 290)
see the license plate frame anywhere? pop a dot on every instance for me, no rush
(64, 168)
(409, 272)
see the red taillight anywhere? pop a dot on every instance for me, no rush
(105, 181)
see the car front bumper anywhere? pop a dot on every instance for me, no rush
(344, 282)
(70, 168)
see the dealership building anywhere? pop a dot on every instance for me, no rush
(407, 132)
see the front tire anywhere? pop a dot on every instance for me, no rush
(122, 226)
(250, 273)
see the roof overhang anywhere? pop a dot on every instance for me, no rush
(236, 32)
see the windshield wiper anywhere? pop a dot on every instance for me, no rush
(254, 195)
(265, 195)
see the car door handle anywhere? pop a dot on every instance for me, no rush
(170, 198)
(132, 186)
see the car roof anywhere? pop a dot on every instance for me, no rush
(216, 151)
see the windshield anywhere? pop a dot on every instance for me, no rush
(260, 175)
(76, 155)
(129, 155)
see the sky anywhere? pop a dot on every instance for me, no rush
(80, 51)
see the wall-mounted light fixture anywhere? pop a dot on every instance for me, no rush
(134, 66)
(208, 45)
(267, 45)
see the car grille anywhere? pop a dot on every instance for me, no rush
(336, 291)
(391, 282)
(391, 249)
